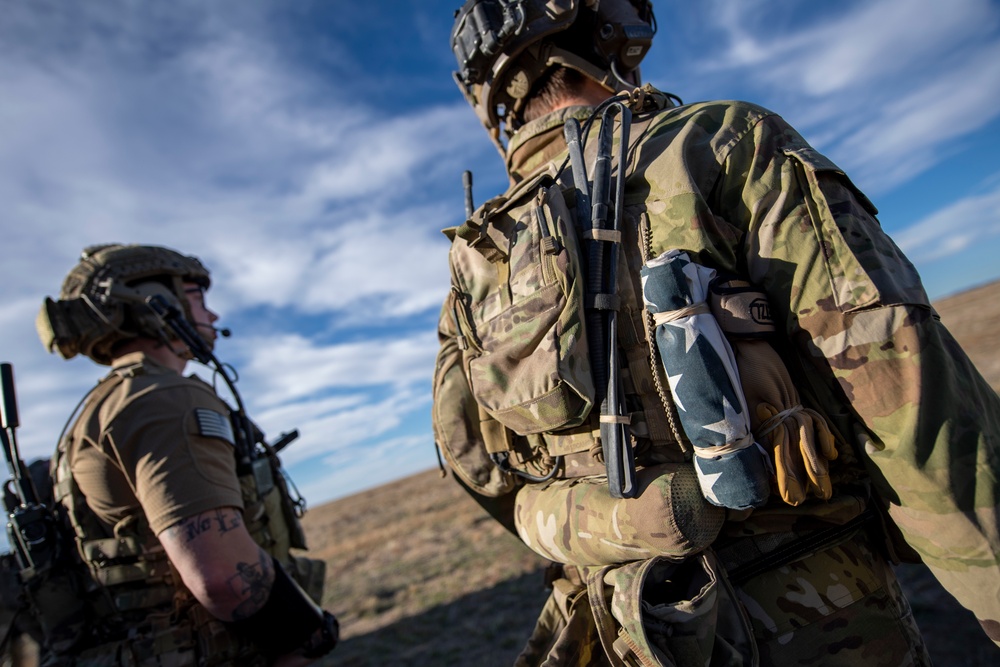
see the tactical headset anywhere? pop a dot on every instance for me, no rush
(104, 299)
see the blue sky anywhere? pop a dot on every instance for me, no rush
(310, 153)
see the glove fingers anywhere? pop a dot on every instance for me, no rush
(826, 439)
(816, 468)
(789, 473)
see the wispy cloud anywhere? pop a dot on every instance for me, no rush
(299, 195)
(952, 229)
(291, 367)
(884, 87)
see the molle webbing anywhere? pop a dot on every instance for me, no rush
(133, 575)
(476, 232)
(65, 490)
(482, 236)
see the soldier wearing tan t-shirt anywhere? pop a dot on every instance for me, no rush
(149, 477)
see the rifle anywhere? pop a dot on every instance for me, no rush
(30, 525)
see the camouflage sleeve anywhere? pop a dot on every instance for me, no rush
(879, 361)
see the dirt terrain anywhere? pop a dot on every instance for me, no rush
(973, 317)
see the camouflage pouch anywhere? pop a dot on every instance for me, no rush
(520, 297)
(663, 613)
(291, 508)
(668, 517)
(268, 508)
(458, 430)
(565, 633)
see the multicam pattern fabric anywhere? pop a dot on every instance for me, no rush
(521, 310)
(568, 520)
(840, 607)
(739, 191)
(701, 369)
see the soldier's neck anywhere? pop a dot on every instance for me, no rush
(159, 352)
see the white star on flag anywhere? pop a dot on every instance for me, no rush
(672, 380)
(707, 483)
(691, 332)
(729, 425)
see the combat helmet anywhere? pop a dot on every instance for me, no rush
(103, 299)
(504, 46)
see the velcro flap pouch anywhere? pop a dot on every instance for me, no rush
(527, 359)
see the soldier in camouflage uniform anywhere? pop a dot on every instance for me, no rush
(882, 437)
(178, 548)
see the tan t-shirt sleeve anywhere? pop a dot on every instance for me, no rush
(174, 447)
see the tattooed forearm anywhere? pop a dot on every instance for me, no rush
(219, 521)
(252, 583)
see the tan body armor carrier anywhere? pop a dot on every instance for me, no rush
(130, 606)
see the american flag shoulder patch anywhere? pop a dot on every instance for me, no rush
(212, 424)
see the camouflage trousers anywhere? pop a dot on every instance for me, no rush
(839, 605)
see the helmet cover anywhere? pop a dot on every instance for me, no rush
(504, 46)
(103, 298)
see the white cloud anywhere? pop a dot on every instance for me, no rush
(290, 367)
(884, 87)
(359, 422)
(908, 135)
(362, 468)
(296, 193)
(973, 220)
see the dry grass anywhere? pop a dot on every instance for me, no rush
(419, 574)
(973, 317)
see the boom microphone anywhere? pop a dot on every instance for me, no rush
(222, 331)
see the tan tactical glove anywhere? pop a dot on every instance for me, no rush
(799, 438)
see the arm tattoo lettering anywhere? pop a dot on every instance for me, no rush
(220, 521)
(252, 582)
